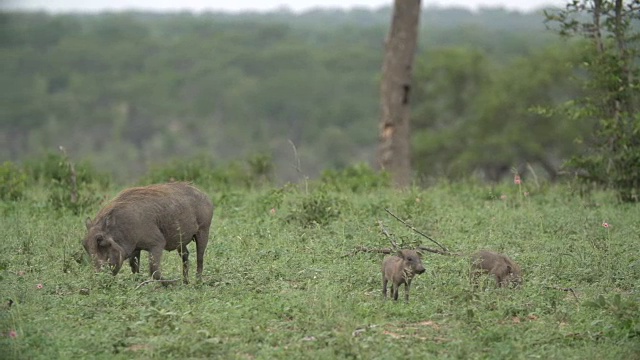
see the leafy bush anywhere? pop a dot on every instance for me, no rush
(613, 95)
(271, 200)
(205, 172)
(261, 168)
(359, 177)
(62, 196)
(198, 169)
(317, 208)
(54, 167)
(72, 189)
(616, 166)
(13, 181)
(71, 186)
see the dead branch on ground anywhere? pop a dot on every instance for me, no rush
(386, 233)
(564, 289)
(394, 246)
(417, 231)
(154, 280)
(365, 249)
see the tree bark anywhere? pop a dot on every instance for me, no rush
(394, 148)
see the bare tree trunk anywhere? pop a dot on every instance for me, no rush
(597, 26)
(394, 149)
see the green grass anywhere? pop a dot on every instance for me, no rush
(280, 286)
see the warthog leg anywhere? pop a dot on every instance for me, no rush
(202, 239)
(134, 261)
(184, 254)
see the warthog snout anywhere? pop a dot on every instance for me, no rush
(104, 251)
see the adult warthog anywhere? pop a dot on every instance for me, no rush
(152, 218)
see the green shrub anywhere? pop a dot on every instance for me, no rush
(616, 167)
(54, 167)
(612, 101)
(195, 170)
(204, 171)
(62, 196)
(71, 186)
(317, 208)
(74, 189)
(272, 199)
(261, 169)
(356, 178)
(13, 181)
(200, 170)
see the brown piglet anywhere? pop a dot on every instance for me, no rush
(400, 269)
(505, 270)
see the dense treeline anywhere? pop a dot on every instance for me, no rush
(129, 90)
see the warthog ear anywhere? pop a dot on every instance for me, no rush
(105, 241)
(400, 254)
(101, 241)
(88, 223)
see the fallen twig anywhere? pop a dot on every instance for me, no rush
(153, 280)
(394, 246)
(564, 289)
(435, 251)
(416, 230)
(386, 233)
(369, 250)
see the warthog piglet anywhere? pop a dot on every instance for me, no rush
(400, 269)
(505, 270)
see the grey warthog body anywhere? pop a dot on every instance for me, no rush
(400, 269)
(152, 218)
(505, 270)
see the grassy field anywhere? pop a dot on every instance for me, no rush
(281, 280)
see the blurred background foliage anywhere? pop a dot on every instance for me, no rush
(270, 96)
